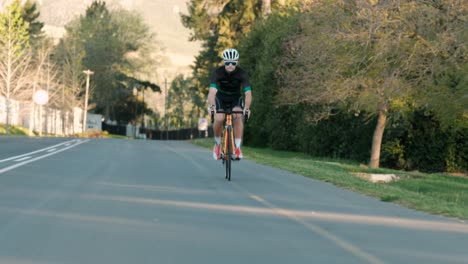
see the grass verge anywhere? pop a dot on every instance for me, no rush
(13, 130)
(21, 131)
(436, 193)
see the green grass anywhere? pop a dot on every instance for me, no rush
(433, 193)
(13, 130)
(118, 136)
(21, 131)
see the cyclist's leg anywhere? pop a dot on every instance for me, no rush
(238, 124)
(217, 129)
(219, 118)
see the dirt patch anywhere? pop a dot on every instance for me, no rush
(377, 178)
(458, 174)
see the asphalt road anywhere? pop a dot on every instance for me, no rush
(134, 201)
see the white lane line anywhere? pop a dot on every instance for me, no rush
(40, 157)
(344, 244)
(24, 158)
(300, 218)
(39, 150)
(54, 149)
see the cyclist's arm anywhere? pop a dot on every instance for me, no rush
(213, 88)
(212, 95)
(247, 90)
(248, 99)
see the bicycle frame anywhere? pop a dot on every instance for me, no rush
(228, 136)
(227, 145)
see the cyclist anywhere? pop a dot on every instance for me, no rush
(229, 86)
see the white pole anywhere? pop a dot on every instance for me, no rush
(40, 120)
(88, 73)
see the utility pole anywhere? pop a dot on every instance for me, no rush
(143, 110)
(165, 108)
(88, 73)
(47, 90)
(63, 105)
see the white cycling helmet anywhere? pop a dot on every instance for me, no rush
(230, 55)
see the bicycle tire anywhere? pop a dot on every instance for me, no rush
(225, 166)
(229, 153)
(224, 152)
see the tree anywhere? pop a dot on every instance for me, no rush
(128, 109)
(44, 75)
(69, 55)
(15, 55)
(220, 25)
(141, 109)
(115, 42)
(101, 53)
(179, 103)
(359, 57)
(217, 25)
(264, 46)
(442, 58)
(30, 16)
(451, 86)
(198, 102)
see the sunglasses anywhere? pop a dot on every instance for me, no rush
(233, 63)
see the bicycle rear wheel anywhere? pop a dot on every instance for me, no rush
(229, 154)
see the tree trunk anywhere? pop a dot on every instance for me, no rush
(31, 118)
(107, 112)
(266, 7)
(7, 101)
(377, 138)
(214, 9)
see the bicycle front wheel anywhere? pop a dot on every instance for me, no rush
(229, 154)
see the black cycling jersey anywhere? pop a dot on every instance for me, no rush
(230, 83)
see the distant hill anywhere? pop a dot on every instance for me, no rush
(161, 15)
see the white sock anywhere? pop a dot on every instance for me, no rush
(238, 142)
(218, 140)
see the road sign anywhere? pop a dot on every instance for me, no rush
(41, 97)
(202, 124)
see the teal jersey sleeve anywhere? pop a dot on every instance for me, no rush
(246, 82)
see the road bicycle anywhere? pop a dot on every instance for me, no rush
(227, 142)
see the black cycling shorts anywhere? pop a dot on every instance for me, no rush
(224, 102)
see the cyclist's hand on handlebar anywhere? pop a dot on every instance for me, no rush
(246, 113)
(212, 109)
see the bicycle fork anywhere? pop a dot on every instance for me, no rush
(228, 133)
